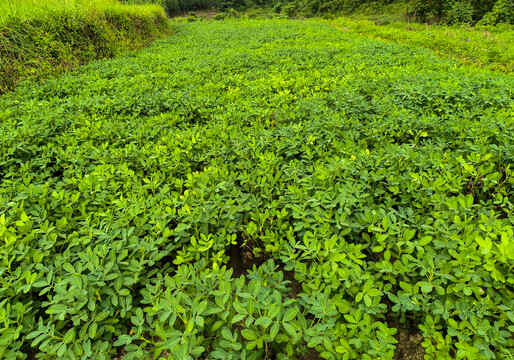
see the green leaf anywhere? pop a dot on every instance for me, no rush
(239, 308)
(374, 292)
(62, 350)
(57, 309)
(485, 244)
(69, 336)
(92, 330)
(289, 329)
(68, 267)
(250, 306)
(385, 223)
(249, 334)
(406, 286)
(426, 287)
(425, 240)
(199, 320)
(197, 351)
(367, 286)
(290, 314)
(237, 318)
(264, 321)
(409, 234)
(227, 334)
(123, 340)
(315, 340)
(274, 330)
(218, 354)
(217, 325)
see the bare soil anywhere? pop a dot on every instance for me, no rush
(241, 260)
(409, 341)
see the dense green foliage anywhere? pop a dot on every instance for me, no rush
(485, 12)
(377, 175)
(467, 11)
(43, 37)
(453, 11)
(491, 47)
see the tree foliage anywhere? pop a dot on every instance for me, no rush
(450, 11)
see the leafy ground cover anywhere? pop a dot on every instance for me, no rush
(45, 37)
(491, 47)
(259, 190)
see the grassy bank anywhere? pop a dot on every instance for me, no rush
(41, 38)
(488, 47)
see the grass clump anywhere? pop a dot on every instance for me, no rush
(40, 38)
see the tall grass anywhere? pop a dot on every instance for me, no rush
(43, 37)
(24, 10)
(175, 7)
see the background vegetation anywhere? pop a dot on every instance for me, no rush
(43, 37)
(485, 12)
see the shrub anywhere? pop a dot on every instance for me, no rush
(289, 10)
(277, 8)
(503, 12)
(220, 16)
(461, 12)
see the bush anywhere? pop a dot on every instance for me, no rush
(220, 16)
(289, 10)
(461, 12)
(503, 12)
(277, 8)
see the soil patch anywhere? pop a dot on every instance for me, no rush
(311, 354)
(295, 285)
(409, 341)
(241, 260)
